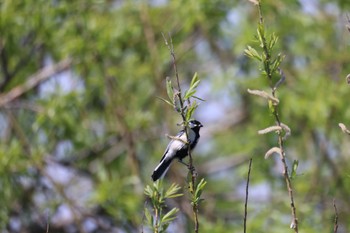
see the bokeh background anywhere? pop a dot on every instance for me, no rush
(81, 127)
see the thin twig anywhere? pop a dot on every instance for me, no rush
(246, 197)
(294, 224)
(335, 228)
(4, 65)
(156, 218)
(191, 168)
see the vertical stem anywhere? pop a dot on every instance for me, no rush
(191, 168)
(246, 198)
(156, 215)
(294, 224)
(335, 228)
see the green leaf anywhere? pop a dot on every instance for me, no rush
(166, 101)
(171, 215)
(261, 34)
(190, 110)
(192, 90)
(172, 191)
(273, 41)
(169, 88)
(158, 187)
(294, 169)
(252, 53)
(177, 104)
(189, 93)
(149, 216)
(194, 79)
(148, 191)
(200, 188)
(196, 97)
(276, 63)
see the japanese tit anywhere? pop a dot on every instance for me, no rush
(177, 148)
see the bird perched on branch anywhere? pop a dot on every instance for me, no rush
(178, 148)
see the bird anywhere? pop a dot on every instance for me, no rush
(177, 148)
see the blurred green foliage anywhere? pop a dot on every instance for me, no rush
(77, 150)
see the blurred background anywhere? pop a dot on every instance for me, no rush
(81, 127)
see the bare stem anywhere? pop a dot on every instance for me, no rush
(246, 197)
(335, 228)
(156, 216)
(191, 168)
(294, 224)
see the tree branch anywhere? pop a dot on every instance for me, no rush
(246, 198)
(335, 227)
(34, 80)
(191, 167)
(4, 66)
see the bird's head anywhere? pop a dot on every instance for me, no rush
(194, 124)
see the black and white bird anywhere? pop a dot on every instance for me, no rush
(177, 148)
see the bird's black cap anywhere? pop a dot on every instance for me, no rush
(194, 124)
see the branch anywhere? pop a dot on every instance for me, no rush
(267, 65)
(191, 168)
(335, 229)
(34, 80)
(246, 198)
(270, 66)
(4, 66)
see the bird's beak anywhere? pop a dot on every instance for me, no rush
(200, 125)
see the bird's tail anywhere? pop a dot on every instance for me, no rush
(161, 169)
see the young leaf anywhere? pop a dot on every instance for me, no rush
(276, 63)
(294, 169)
(166, 101)
(194, 79)
(200, 188)
(149, 216)
(252, 53)
(196, 97)
(192, 90)
(171, 215)
(273, 40)
(148, 191)
(169, 88)
(177, 104)
(172, 191)
(190, 110)
(261, 34)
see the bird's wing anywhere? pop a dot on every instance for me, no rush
(174, 146)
